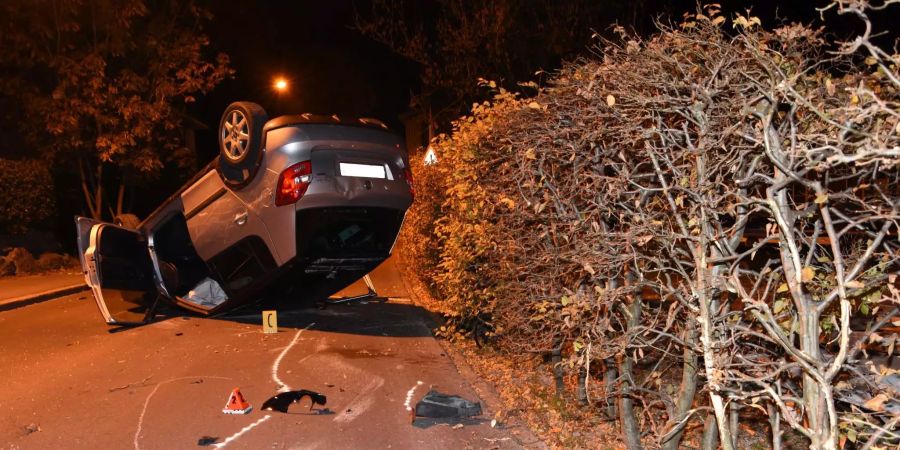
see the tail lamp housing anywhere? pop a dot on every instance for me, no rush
(292, 183)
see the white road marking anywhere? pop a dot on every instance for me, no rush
(282, 386)
(140, 424)
(409, 395)
(239, 433)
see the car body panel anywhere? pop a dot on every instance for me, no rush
(227, 213)
(197, 196)
(118, 269)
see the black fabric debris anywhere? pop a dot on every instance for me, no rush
(207, 441)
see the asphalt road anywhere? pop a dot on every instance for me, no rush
(69, 382)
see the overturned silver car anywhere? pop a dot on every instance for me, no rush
(307, 201)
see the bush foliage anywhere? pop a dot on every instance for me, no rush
(28, 196)
(704, 223)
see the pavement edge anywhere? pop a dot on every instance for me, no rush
(30, 299)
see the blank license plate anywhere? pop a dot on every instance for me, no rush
(362, 170)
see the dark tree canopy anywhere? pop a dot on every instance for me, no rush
(458, 42)
(96, 84)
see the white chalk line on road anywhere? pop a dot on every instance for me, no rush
(234, 436)
(282, 386)
(140, 424)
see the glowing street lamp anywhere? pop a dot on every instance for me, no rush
(280, 84)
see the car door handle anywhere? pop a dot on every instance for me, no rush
(240, 218)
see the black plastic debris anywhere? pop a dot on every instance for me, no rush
(206, 441)
(437, 405)
(282, 401)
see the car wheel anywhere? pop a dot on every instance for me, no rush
(240, 143)
(127, 220)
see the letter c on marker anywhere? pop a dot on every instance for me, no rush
(269, 320)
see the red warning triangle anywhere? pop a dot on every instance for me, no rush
(236, 403)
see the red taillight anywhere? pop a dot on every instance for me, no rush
(407, 174)
(292, 183)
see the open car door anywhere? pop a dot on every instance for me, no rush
(117, 267)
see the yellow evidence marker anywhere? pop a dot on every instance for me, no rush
(270, 321)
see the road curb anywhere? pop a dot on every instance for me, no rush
(31, 299)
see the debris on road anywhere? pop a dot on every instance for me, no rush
(282, 401)
(437, 405)
(207, 293)
(207, 441)
(236, 403)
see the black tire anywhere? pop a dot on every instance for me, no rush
(240, 143)
(127, 220)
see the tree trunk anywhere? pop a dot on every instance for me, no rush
(120, 198)
(814, 392)
(610, 373)
(688, 384)
(581, 393)
(630, 430)
(707, 309)
(92, 188)
(775, 426)
(710, 439)
(609, 384)
(556, 361)
(734, 410)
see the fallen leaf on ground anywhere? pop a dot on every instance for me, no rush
(876, 403)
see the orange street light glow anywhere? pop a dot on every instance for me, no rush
(280, 84)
